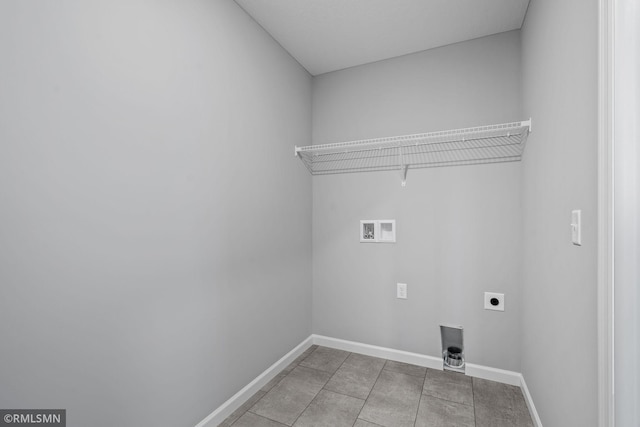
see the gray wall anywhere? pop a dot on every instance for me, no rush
(459, 228)
(559, 52)
(155, 228)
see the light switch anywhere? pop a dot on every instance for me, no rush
(576, 232)
(401, 291)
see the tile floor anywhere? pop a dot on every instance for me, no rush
(335, 388)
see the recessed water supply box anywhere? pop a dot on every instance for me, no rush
(452, 348)
(378, 231)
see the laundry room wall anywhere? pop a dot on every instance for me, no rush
(155, 228)
(458, 228)
(560, 81)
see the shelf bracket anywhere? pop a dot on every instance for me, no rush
(403, 166)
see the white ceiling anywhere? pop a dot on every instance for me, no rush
(329, 35)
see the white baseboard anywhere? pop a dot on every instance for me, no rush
(238, 399)
(381, 352)
(527, 398)
(478, 371)
(493, 374)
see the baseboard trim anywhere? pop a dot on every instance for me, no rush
(381, 352)
(493, 374)
(238, 399)
(472, 370)
(527, 398)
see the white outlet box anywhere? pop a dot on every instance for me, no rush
(493, 301)
(401, 291)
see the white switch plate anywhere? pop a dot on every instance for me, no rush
(576, 227)
(401, 291)
(488, 296)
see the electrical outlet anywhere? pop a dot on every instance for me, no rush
(401, 291)
(493, 301)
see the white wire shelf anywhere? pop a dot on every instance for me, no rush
(485, 144)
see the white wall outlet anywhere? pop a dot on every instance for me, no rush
(401, 291)
(493, 301)
(576, 227)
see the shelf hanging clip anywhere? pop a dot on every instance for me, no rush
(404, 170)
(404, 167)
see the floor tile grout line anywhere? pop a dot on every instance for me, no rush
(286, 375)
(373, 424)
(328, 372)
(341, 394)
(334, 374)
(404, 373)
(285, 368)
(343, 362)
(355, 397)
(473, 396)
(316, 395)
(371, 391)
(448, 400)
(262, 416)
(424, 381)
(247, 410)
(394, 372)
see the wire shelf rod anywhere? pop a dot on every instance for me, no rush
(491, 160)
(419, 136)
(477, 145)
(449, 150)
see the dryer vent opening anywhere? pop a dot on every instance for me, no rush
(452, 348)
